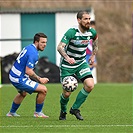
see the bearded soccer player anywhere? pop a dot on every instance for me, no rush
(72, 49)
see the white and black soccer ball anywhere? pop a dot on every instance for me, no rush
(70, 83)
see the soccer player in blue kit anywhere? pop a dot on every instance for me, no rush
(22, 70)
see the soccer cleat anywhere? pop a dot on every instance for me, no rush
(40, 115)
(9, 114)
(76, 112)
(62, 116)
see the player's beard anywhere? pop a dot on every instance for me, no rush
(39, 48)
(85, 28)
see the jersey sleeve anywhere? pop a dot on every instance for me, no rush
(68, 36)
(30, 63)
(31, 59)
(95, 36)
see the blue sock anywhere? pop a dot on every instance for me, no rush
(39, 107)
(14, 107)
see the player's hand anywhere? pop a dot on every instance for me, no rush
(94, 64)
(91, 62)
(91, 65)
(92, 59)
(71, 61)
(43, 80)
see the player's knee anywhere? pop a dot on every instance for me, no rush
(89, 84)
(89, 87)
(23, 94)
(44, 90)
(41, 89)
(66, 94)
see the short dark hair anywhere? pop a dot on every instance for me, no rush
(80, 14)
(38, 35)
(93, 22)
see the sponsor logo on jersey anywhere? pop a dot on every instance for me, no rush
(84, 41)
(83, 71)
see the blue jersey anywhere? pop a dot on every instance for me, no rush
(28, 57)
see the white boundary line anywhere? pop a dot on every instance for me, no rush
(60, 126)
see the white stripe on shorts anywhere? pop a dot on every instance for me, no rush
(16, 80)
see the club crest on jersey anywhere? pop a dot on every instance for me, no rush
(77, 41)
(77, 38)
(88, 38)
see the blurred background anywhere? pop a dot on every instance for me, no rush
(21, 19)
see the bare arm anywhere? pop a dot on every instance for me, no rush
(60, 49)
(31, 73)
(95, 46)
(95, 49)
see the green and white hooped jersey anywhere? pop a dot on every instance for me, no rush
(77, 43)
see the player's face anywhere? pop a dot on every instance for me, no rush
(42, 43)
(84, 22)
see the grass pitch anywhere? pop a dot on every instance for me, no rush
(108, 109)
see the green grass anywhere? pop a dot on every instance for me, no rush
(108, 109)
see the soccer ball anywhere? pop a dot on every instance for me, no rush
(70, 83)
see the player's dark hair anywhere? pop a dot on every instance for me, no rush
(38, 35)
(93, 22)
(80, 14)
